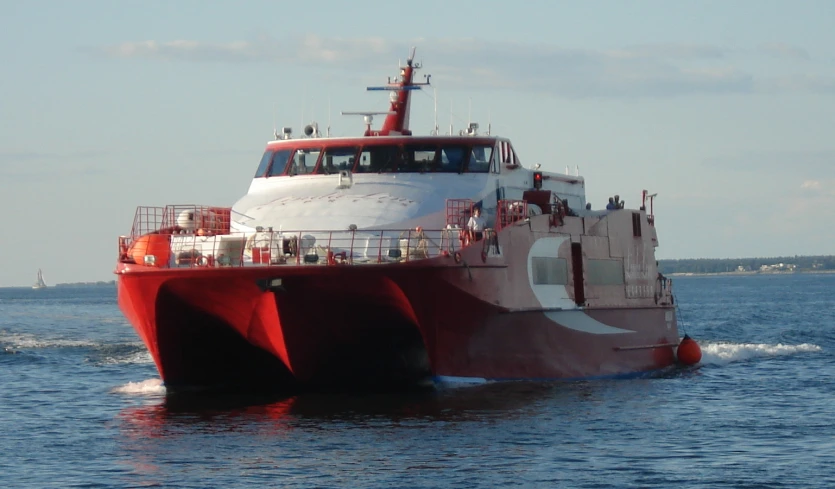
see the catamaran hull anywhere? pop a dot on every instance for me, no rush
(303, 326)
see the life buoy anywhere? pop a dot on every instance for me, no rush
(205, 261)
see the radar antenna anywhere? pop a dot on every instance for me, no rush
(397, 117)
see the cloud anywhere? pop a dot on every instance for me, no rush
(672, 51)
(655, 70)
(811, 184)
(784, 51)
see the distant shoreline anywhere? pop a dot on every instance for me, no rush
(757, 272)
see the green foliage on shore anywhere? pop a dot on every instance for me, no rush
(725, 265)
(111, 283)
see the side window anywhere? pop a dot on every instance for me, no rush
(480, 157)
(374, 159)
(304, 161)
(337, 159)
(452, 159)
(279, 163)
(418, 158)
(265, 162)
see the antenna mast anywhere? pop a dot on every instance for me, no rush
(435, 91)
(450, 117)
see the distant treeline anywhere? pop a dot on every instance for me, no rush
(724, 265)
(88, 284)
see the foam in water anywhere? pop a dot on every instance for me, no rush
(146, 387)
(25, 340)
(726, 353)
(138, 358)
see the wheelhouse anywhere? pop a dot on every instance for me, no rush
(378, 155)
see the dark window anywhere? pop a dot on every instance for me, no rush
(452, 159)
(417, 159)
(636, 224)
(279, 162)
(480, 159)
(265, 163)
(337, 159)
(379, 159)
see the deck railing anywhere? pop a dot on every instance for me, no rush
(199, 236)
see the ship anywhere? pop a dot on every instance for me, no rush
(39, 281)
(391, 258)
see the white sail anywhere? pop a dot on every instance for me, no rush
(39, 283)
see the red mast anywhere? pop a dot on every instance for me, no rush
(397, 118)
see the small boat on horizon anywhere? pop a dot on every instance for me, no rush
(39, 282)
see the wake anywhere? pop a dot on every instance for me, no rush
(722, 354)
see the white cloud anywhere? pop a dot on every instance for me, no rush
(646, 70)
(811, 184)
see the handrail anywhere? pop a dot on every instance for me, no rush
(174, 247)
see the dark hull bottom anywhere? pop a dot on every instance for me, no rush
(353, 330)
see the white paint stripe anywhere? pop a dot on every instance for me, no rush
(580, 321)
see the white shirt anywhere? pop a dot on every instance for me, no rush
(476, 223)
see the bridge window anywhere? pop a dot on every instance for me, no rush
(265, 163)
(452, 159)
(279, 162)
(480, 157)
(337, 159)
(418, 159)
(303, 161)
(374, 159)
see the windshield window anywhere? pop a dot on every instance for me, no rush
(337, 159)
(304, 161)
(379, 159)
(452, 159)
(480, 159)
(279, 162)
(265, 162)
(417, 159)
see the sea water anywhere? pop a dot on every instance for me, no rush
(81, 405)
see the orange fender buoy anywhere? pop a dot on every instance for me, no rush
(688, 352)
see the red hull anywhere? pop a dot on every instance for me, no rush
(346, 324)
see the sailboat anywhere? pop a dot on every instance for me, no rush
(39, 284)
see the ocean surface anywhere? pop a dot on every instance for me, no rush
(81, 405)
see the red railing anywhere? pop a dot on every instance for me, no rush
(510, 211)
(458, 212)
(173, 247)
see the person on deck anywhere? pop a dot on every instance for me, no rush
(611, 205)
(476, 224)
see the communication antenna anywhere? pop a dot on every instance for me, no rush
(489, 119)
(469, 110)
(275, 129)
(435, 90)
(450, 117)
(328, 131)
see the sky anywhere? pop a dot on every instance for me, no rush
(725, 109)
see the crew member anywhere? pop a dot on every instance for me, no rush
(476, 224)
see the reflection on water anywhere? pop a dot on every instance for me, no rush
(181, 412)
